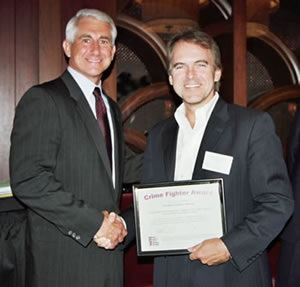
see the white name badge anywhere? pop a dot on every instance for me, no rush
(217, 162)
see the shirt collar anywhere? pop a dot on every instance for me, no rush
(86, 85)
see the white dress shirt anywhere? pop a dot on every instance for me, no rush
(87, 87)
(189, 139)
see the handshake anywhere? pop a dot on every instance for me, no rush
(111, 232)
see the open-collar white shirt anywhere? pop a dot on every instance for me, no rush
(87, 87)
(189, 139)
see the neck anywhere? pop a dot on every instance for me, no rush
(190, 115)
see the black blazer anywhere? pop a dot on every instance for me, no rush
(60, 170)
(292, 231)
(257, 195)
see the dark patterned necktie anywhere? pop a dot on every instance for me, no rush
(103, 120)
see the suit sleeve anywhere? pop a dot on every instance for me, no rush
(35, 144)
(271, 193)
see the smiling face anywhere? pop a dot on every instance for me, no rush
(92, 50)
(193, 74)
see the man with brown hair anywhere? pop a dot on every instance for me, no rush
(208, 138)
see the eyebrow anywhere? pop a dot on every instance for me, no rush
(105, 37)
(196, 62)
(85, 36)
(89, 36)
(177, 64)
(201, 61)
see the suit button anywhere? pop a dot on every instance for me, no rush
(77, 237)
(73, 234)
(70, 232)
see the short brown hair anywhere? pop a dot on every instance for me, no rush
(200, 38)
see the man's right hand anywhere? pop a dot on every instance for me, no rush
(112, 231)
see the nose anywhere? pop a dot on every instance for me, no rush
(190, 73)
(95, 47)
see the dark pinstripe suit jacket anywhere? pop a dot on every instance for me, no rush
(288, 267)
(257, 195)
(292, 230)
(60, 170)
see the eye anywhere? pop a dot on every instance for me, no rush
(104, 42)
(178, 67)
(201, 65)
(86, 40)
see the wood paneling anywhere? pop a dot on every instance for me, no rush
(258, 11)
(239, 52)
(154, 9)
(7, 80)
(50, 40)
(26, 51)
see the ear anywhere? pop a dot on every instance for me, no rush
(171, 80)
(67, 48)
(218, 74)
(113, 52)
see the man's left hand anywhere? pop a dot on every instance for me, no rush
(211, 252)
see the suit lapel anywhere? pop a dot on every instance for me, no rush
(169, 144)
(88, 118)
(118, 140)
(214, 129)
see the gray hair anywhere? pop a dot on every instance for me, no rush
(71, 27)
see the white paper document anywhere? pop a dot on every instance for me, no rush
(178, 217)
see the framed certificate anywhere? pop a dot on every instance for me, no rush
(171, 217)
(5, 190)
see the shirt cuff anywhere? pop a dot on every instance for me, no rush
(123, 222)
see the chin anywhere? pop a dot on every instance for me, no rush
(193, 99)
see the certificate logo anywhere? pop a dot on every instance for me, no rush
(153, 241)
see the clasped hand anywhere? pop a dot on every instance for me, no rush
(211, 252)
(111, 232)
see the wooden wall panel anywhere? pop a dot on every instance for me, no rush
(50, 40)
(258, 11)
(239, 52)
(7, 80)
(154, 9)
(26, 51)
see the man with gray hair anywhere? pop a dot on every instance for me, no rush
(66, 165)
